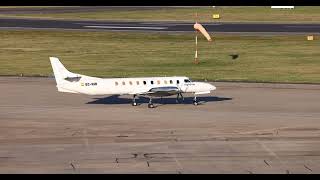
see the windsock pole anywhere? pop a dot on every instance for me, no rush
(196, 53)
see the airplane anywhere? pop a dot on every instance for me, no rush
(140, 86)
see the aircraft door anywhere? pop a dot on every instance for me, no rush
(184, 86)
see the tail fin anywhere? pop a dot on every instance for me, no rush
(62, 75)
(60, 72)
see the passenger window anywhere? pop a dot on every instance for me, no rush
(158, 81)
(137, 82)
(171, 82)
(178, 82)
(123, 83)
(116, 83)
(151, 82)
(130, 82)
(144, 82)
(165, 82)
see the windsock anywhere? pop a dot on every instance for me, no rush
(200, 28)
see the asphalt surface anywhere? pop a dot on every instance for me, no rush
(7, 23)
(239, 128)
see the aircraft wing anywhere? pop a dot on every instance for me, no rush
(159, 91)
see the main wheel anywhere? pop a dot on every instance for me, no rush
(150, 106)
(195, 103)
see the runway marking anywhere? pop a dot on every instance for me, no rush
(307, 167)
(177, 162)
(265, 130)
(177, 24)
(125, 27)
(268, 150)
(73, 167)
(283, 165)
(162, 24)
(311, 26)
(85, 136)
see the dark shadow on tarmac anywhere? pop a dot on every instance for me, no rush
(115, 99)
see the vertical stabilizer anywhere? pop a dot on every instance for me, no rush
(60, 72)
(62, 75)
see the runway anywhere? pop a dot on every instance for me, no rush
(239, 128)
(7, 23)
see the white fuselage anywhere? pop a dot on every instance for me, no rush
(99, 86)
(150, 86)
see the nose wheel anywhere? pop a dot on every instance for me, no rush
(195, 101)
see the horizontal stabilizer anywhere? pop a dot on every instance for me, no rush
(73, 79)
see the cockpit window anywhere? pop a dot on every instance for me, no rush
(187, 80)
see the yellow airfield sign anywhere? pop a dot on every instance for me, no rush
(216, 16)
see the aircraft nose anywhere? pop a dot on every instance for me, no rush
(212, 87)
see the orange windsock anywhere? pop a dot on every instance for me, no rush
(200, 28)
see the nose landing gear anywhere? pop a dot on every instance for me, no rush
(195, 101)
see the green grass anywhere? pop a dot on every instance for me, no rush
(301, 14)
(277, 58)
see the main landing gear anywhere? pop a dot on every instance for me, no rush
(182, 98)
(150, 104)
(134, 103)
(134, 100)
